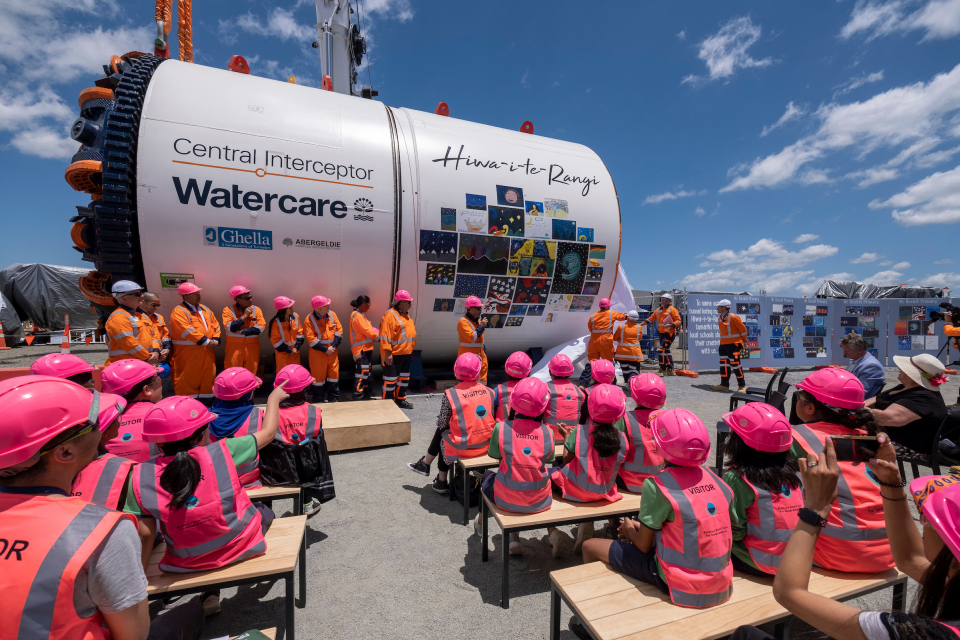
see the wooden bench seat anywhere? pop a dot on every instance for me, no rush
(286, 547)
(561, 512)
(279, 493)
(461, 469)
(613, 606)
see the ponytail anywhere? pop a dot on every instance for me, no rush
(137, 389)
(769, 471)
(359, 302)
(850, 418)
(181, 477)
(295, 399)
(606, 439)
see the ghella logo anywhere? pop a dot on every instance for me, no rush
(236, 238)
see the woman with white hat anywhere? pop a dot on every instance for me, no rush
(912, 411)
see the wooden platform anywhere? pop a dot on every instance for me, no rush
(361, 424)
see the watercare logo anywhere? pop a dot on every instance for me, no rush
(234, 238)
(311, 243)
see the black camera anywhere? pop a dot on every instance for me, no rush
(936, 316)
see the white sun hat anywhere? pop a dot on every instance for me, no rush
(922, 369)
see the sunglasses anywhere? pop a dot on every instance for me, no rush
(247, 297)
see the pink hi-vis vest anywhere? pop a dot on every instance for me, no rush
(299, 424)
(643, 459)
(589, 477)
(501, 399)
(249, 472)
(471, 423)
(564, 406)
(522, 484)
(770, 522)
(129, 441)
(102, 481)
(218, 526)
(694, 549)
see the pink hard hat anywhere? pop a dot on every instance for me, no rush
(403, 296)
(36, 409)
(474, 301)
(603, 371)
(942, 511)
(60, 365)
(297, 377)
(467, 367)
(648, 390)
(319, 301)
(605, 303)
(681, 437)
(560, 366)
(834, 387)
(606, 403)
(121, 376)
(238, 290)
(187, 288)
(518, 365)
(761, 427)
(111, 406)
(530, 397)
(234, 383)
(283, 302)
(175, 418)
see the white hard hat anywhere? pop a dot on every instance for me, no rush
(668, 296)
(724, 303)
(633, 315)
(125, 286)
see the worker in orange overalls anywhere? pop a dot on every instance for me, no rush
(628, 354)
(195, 332)
(324, 335)
(129, 332)
(243, 322)
(362, 337)
(398, 337)
(161, 334)
(667, 321)
(470, 328)
(286, 332)
(601, 326)
(733, 335)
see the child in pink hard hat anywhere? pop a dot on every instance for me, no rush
(66, 366)
(566, 398)
(140, 386)
(518, 367)
(237, 416)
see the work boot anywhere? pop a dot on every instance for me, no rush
(660, 373)
(440, 486)
(558, 541)
(584, 532)
(741, 389)
(670, 372)
(210, 601)
(722, 388)
(403, 404)
(420, 467)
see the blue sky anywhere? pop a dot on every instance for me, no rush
(753, 145)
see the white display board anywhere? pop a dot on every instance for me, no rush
(869, 318)
(912, 331)
(798, 331)
(704, 329)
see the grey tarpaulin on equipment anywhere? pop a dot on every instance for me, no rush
(849, 290)
(12, 329)
(44, 293)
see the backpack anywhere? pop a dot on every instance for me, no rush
(473, 488)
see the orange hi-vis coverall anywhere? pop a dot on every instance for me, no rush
(953, 334)
(627, 337)
(362, 337)
(667, 333)
(733, 335)
(243, 338)
(129, 335)
(287, 338)
(195, 333)
(161, 334)
(600, 326)
(324, 332)
(471, 341)
(398, 336)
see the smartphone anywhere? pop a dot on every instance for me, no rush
(855, 448)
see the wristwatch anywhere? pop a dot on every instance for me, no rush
(811, 517)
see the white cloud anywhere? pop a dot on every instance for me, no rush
(792, 113)
(857, 82)
(889, 276)
(944, 261)
(682, 35)
(951, 280)
(279, 23)
(902, 115)
(699, 212)
(933, 200)
(45, 142)
(804, 238)
(525, 79)
(877, 18)
(726, 51)
(671, 195)
(866, 257)
(900, 266)
(810, 287)
(394, 9)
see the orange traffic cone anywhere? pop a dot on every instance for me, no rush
(65, 344)
(3, 342)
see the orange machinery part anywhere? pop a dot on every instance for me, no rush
(770, 370)
(92, 93)
(91, 286)
(78, 175)
(76, 234)
(686, 373)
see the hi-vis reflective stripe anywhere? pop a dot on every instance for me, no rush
(636, 436)
(38, 609)
(731, 335)
(403, 331)
(313, 320)
(233, 317)
(312, 429)
(848, 529)
(461, 442)
(507, 463)
(690, 558)
(294, 324)
(609, 324)
(552, 418)
(108, 475)
(353, 334)
(663, 315)
(767, 529)
(250, 427)
(501, 398)
(151, 504)
(582, 479)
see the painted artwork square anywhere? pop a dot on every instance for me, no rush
(808, 321)
(495, 320)
(752, 331)
(535, 209)
(788, 352)
(787, 331)
(776, 309)
(775, 320)
(871, 332)
(590, 288)
(811, 353)
(753, 307)
(818, 321)
(822, 311)
(820, 331)
(774, 342)
(848, 321)
(532, 290)
(584, 234)
(786, 320)
(854, 311)
(532, 258)
(809, 331)
(444, 304)
(475, 201)
(917, 343)
(788, 309)
(537, 226)
(868, 322)
(570, 269)
(821, 353)
(900, 328)
(776, 331)
(594, 273)
(906, 312)
(564, 229)
(472, 221)
(871, 311)
(903, 343)
(856, 330)
(869, 342)
(777, 352)
(499, 293)
(440, 274)
(752, 342)
(519, 310)
(742, 308)
(931, 343)
(808, 342)
(786, 341)
(513, 322)
(913, 328)
(509, 196)
(483, 254)
(874, 352)
(556, 208)
(754, 354)
(448, 219)
(534, 309)
(581, 303)
(558, 303)
(751, 320)
(918, 313)
(505, 221)
(438, 246)
(466, 286)
(598, 251)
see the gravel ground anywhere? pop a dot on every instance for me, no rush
(388, 534)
